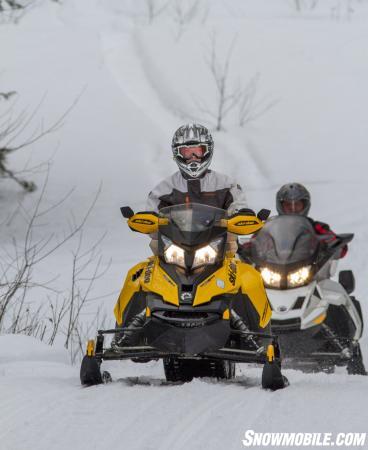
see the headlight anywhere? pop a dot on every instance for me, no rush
(208, 254)
(272, 279)
(298, 277)
(203, 256)
(175, 255)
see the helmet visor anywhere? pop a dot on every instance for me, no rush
(192, 152)
(293, 206)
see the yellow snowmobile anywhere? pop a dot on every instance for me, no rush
(194, 305)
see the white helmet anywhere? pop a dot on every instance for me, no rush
(195, 136)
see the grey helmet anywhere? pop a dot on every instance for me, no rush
(293, 192)
(192, 134)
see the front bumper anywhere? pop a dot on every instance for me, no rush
(187, 337)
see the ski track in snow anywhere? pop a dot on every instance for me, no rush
(43, 405)
(158, 101)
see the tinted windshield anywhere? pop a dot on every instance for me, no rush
(193, 217)
(284, 240)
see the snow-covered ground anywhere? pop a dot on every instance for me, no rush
(137, 83)
(43, 407)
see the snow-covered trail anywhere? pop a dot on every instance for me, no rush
(140, 83)
(43, 405)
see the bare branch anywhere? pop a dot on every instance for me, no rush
(16, 276)
(154, 8)
(183, 12)
(12, 128)
(7, 95)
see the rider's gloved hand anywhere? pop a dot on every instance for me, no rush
(244, 212)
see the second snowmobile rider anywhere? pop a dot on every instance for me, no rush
(294, 198)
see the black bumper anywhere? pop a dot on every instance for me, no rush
(188, 337)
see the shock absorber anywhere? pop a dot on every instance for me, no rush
(345, 351)
(238, 324)
(137, 322)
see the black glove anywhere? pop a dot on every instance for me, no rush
(245, 212)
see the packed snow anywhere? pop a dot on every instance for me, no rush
(133, 83)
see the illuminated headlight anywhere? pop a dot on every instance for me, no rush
(175, 255)
(271, 278)
(298, 277)
(208, 254)
(203, 256)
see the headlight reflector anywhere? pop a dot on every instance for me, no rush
(271, 278)
(299, 277)
(203, 256)
(208, 254)
(175, 255)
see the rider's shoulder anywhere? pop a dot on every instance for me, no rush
(219, 179)
(171, 181)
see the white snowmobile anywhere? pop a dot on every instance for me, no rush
(318, 322)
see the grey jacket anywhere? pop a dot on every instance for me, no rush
(213, 189)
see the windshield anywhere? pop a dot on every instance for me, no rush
(193, 217)
(285, 239)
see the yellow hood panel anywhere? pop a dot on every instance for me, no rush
(155, 279)
(233, 277)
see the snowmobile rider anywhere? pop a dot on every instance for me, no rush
(294, 198)
(192, 147)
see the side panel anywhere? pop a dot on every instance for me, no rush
(336, 295)
(155, 279)
(132, 285)
(149, 277)
(252, 285)
(220, 282)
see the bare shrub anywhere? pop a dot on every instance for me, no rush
(63, 315)
(11, 11)
(231, 96)
(154, 8)
(303, 5)
(184, 12)
(342, 10)
(13, 127)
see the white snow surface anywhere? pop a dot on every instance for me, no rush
(137, 83)
(43, 406)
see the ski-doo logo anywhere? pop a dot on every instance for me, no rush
(143, 221)
(232, 273)
(242, 223)
(148, 272)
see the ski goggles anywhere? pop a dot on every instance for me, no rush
(293, 206)
(189, 151)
